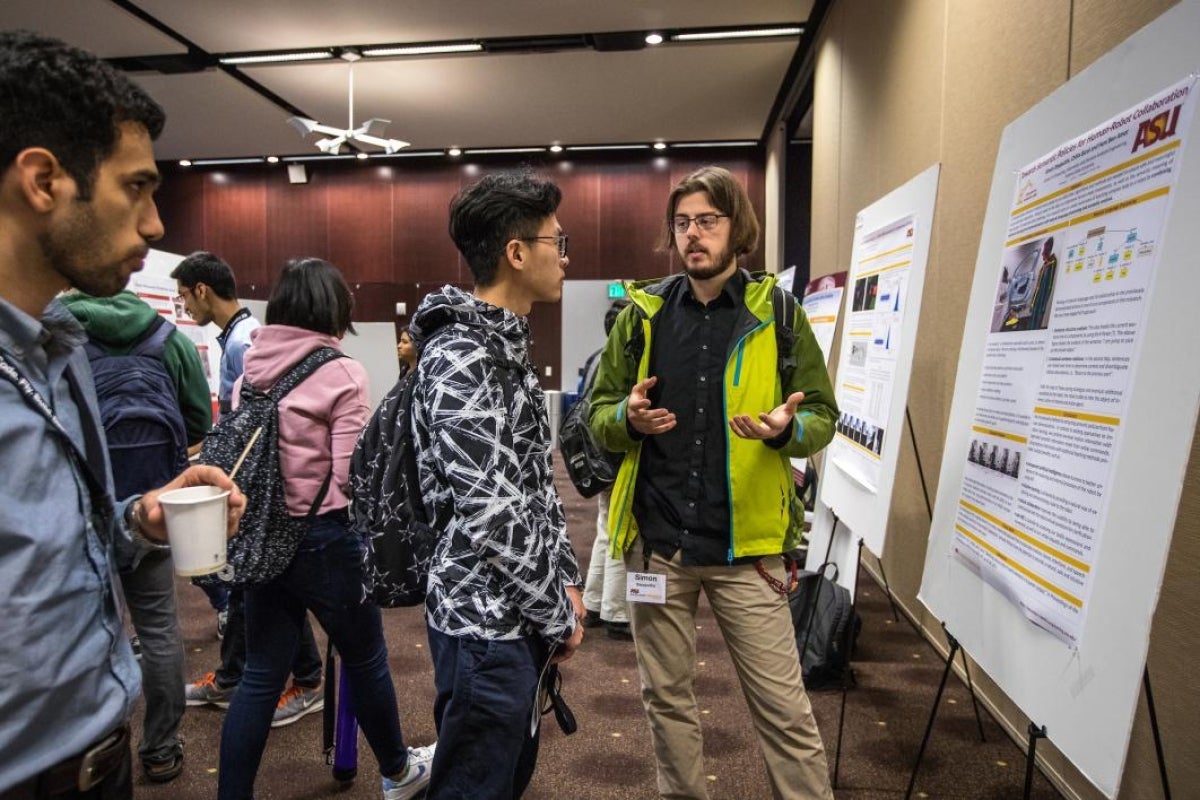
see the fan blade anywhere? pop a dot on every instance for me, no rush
(304, 125)
(388, 145)
(373, 127)
(331, 145)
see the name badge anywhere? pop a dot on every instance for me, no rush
(645, 587)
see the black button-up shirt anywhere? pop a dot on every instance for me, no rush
(682, 494)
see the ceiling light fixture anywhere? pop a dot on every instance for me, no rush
(183, 162)
(272, 159)
(275, 58)
(660, 145)
(654, 38)
(753, 33)
(370, 132)
(423, 49)
(454, 151)
(347, 157)
(556, 148)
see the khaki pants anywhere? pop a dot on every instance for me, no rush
(757, 627)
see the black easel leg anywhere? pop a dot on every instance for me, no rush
(847, 681)
(887, 589)
(920, 471)
(1035, 733)
(829, 547)
(932, 714)
(974, 702)
(1158, 748)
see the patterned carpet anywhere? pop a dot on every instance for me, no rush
(610, 757)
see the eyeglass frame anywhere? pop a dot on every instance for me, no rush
(560, 241)
(680, 224)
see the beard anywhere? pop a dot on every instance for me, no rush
(75, 250)
(717, 265)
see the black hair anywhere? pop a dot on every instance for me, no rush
(614, 311)
(204, 267)
(487, 215)
(68, 101)
(312, 294)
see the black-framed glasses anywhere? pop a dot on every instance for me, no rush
(705, 222)
(560, 241)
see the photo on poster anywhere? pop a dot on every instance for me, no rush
(1026, 288)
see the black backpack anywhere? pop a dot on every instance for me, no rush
(827, 627)
(268, 535)
(139, 408)
(386, 509)
(591, 468)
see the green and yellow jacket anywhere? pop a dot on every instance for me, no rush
(761, 489)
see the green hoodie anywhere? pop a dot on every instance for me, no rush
(117, 322)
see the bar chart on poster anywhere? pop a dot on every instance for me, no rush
(1063, 463)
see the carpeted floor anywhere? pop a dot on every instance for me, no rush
(610, 757)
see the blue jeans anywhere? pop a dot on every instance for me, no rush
(325, 577)
(485, 695)
(306, 667)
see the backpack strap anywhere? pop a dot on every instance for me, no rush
(306, 367)
(785, 333)
(153, 340)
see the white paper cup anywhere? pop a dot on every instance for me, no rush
(196, 528)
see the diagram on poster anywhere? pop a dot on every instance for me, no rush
(1076, 278)
(867, 371)
(822, 303)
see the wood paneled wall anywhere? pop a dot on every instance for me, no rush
(383, 223)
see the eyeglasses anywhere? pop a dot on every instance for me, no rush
(705, 222)
(560, 240)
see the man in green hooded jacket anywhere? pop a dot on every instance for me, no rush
(693, 389)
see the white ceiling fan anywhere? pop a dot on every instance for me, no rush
(370, 132)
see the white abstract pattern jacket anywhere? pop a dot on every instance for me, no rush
(503, 562)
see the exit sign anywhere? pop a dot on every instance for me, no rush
(616, 290)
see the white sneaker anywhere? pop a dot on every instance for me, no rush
(415, 778)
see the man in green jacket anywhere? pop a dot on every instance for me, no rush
(117, 325)
(690, 388)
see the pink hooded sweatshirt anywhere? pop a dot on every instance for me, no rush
(319, 420)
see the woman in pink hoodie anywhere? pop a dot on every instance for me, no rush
(319, 422)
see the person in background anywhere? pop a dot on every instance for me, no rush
(159, 429)
(77, 182)
(319, 422)
(503, 593)
(702, 500)
(209, 291)
(604, 591)
(406, 351)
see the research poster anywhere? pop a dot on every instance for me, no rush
(822, 303)
(877, 291)
(1074, 283)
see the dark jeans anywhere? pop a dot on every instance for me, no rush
(306, 668)
(150, 594)
(485, 696)
(218, 595)
(325, 577)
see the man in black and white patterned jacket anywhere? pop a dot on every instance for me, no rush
(504, 592)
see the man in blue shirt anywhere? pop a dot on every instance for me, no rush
(77, 177)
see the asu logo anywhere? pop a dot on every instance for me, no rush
(1157, 128)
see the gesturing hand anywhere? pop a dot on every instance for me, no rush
(767, 426)
(642, 418)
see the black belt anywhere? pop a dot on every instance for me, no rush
(78, 774)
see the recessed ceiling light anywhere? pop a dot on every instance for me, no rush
(361, 156)
(274, 58)
(748, 143)
(212, 162)
(183, 162)
(581, 147)
(654, 38)
(660, 145)
(272, 159)
(423, 49)
(556, 148)
(454, 151)
(754, 33)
